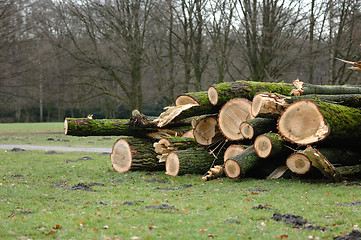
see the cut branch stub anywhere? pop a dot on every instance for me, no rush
(269, 144)
(237, 166)
(206, 131)
(303, 123)
(298, 163)
(254, 127)
(231, 115)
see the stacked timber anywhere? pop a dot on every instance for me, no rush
(242, 129)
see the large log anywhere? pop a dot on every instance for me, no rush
(134, 154)
(257, 126)
(231, 115)
(272, 105)
(220, 93)
(305, 122)
(190, 161)
(118, 127)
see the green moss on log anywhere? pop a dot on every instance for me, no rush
(330, 89)
(248, 89)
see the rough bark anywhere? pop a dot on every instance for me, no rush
(190, 161)
(134, 154)
(206, 131)
(237, 166)
(231, 115)
(257, 126)
(305, 122)
(270, 144)
(346, 171)
(117, 127)
(220, 93)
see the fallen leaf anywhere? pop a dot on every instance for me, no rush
(95, 230)
(283, 236)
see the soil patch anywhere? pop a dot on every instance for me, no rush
(16, 149)
(349, 204)
(163, 207)
(176, 188)
(354, 235)
(261, 207)
(83, 186)
(296, 221)
(131, 203)
(156, 181)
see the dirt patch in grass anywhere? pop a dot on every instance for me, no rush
(296, 221)
(354, 235)
(175, 188)
(162, 207)
(132, 203)
(356, 203)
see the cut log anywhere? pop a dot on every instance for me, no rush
(232, 151)
(301, 161)
(304, 88)
(268, 105)
(188, 134)
(231, 115)
(116, 127)
(198, 98)
(270, 144)
(220, 93)
(237, 166)
(257, 126)
(305, 122)
(271, 105)
(165, 145)
(134, 154)
(206, 131)
(347, 171)
(190, 161)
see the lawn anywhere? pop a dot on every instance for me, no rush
(79, 196)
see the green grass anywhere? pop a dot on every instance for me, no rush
(48, 134)
(36, 203)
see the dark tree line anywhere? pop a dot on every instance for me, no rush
(108, 57)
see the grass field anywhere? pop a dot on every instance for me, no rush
(79, 196)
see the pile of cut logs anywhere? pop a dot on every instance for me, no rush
(242, 129)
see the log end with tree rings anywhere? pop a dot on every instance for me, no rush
(231, 115)
(184, 99)
(262, 146)
(233, 150)
(121, 156)
(232, 169)
(188, 134)
(246, 130)
(256, 105)
(303, 123)
(172, 164)
(213, 95)
(206, 131)
(298, 163)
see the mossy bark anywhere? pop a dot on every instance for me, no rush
(347, 171)
(199, 97)
(195, 161)
(245, 160)
(181, 143)
(340, 156)
(330, 89)
(115, 127)
(248, 89)
(344, 123)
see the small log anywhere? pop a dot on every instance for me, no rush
(305, 122)
(206, 131)
(270, 144)
(301, 161)
(134, 154)
(231, 115)
(198, 98)
(257, 126)
(188, 134)
(220, 93)
(233, 150)
(305, 88)
(237, 166)
(190, 161)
